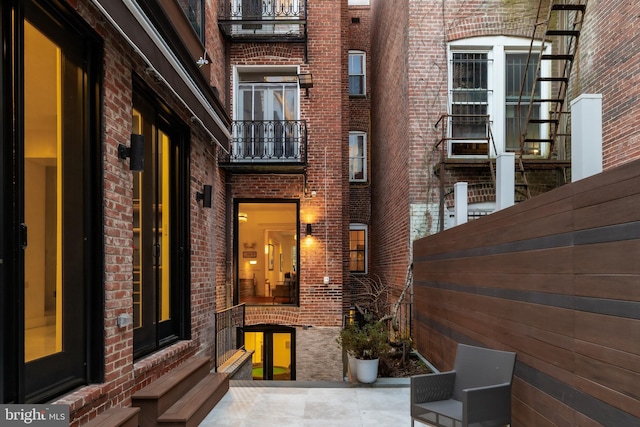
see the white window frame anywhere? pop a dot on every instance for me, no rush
(267, 71)
(275, 71)
(365, 228)
(353, 136)
(358, 2)
(496, 48)
(363, 58)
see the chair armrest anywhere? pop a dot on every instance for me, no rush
(432, 387)
(488, 403)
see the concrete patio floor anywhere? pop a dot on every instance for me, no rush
(310, 404)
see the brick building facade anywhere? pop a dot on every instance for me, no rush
(239, 156)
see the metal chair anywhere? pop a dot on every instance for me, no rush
(476, 393)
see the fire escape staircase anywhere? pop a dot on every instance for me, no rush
(560, 29)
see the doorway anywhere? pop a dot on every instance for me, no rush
(273, 352)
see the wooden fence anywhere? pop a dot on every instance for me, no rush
(556, 279)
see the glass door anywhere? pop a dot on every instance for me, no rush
(160, 231)
(56, 187)
(268, 111)
(274, 352)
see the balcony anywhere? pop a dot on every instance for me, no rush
(263, 21)
(266, 146)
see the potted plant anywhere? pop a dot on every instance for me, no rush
(366, 344)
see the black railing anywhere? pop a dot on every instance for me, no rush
(271, 141)
(285, 19)
(229, 333)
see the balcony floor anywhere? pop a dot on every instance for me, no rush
(306, 404)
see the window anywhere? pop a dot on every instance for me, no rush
(357, 81)
(359, 2)
(161, 230)
(194, 10)
(266, 125)
(267, 252)
(358, 248)
(486, 74)
(357, 156)
(515, 65)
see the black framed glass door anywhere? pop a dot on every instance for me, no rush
(160, 227)
(51, 199)
(273, 352)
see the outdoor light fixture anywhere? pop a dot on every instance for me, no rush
(205, 196)
(135, 152)
(309, 231)
(305, 81)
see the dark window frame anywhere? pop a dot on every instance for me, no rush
(163, 120)
(238, 249)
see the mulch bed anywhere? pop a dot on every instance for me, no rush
(394, 365)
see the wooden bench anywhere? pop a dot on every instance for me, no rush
(116, 417)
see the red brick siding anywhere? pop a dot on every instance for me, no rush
(122, 376)
(390, 138)
(409, 96)
(609, 64)
(327, 132)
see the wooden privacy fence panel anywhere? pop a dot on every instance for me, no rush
(557, 280)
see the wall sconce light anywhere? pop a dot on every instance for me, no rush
(305, 81)
(309, 231)
(135, 152)
(205, 196)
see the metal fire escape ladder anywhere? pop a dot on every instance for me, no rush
(561, 29)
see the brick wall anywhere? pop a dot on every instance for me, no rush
(359, 25)
(326, 114)
(608, 64)
(409, 96)
(122, 375)
(390, 141)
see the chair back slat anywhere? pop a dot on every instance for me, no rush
(479, 367)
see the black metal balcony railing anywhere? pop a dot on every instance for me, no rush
(228, 333)
(263, 19)
(267, 142)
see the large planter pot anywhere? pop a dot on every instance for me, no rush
(367, 370)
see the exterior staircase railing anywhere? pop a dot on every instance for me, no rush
(558, 23)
